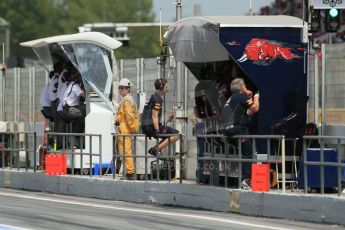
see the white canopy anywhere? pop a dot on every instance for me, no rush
(257, 21)
(97, 38)
(85, 52)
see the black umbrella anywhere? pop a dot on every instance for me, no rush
(195, 40)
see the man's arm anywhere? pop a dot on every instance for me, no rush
(82, 94)
(254, 104)
(155, 119)
(78, 91)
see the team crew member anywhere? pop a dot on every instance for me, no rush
(54, 83)
(151, 118)
(46, 103)
(60, 124)
(127, 119)
(244, 105)
(49, 94)
(71, 99)
(53, 92)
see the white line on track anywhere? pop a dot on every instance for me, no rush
(11, 227)
(200, 217)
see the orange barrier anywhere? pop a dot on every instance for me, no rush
(260, 177)
(56, 164)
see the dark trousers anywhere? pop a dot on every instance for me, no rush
(48, 113)
(60, 127)
(247, 153)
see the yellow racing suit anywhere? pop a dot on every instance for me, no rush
(128, 119)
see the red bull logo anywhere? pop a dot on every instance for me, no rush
(264, 52)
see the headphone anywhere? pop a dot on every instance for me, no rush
(161, 84)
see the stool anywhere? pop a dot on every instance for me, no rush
(95, 169)
(293, 176)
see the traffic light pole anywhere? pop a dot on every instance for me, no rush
(323, 88)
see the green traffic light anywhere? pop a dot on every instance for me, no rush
(333, 12)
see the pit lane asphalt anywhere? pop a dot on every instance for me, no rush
(36, 210)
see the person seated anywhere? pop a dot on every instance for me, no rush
(151, 119)
(71, 108)
(71, 98)
(62, 87)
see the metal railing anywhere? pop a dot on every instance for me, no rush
(234, 144)
(71, 142)
(10, 148)
(222, 152)
(15, 143)
(339, 164)
(141, 152)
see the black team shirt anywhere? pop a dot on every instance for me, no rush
(153, 103)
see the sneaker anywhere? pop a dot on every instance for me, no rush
(246, 184)
(154, 151)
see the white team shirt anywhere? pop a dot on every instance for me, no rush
(72, 94)
(61, 91)
(61, 82)
(53, 88)
(44, 100)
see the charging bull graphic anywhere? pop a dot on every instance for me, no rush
(264, 52)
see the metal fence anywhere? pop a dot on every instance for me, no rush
(148, 166)
(81, 145)
(327, 84)
(334, 174)
(15, 146)
(21, 87)
(325, 164)
(222, 157)
(144, 71)
(20, 97)
(12, 144)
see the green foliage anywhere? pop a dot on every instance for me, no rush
(32, 19)
(144, 42)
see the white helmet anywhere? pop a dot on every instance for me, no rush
(125, 82)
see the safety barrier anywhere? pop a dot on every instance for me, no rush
(223, 152)
(15, 143)
(168, 159)
(221, 155)
(71, 143)
(334, 159)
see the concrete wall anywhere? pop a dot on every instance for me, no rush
(315, 208)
